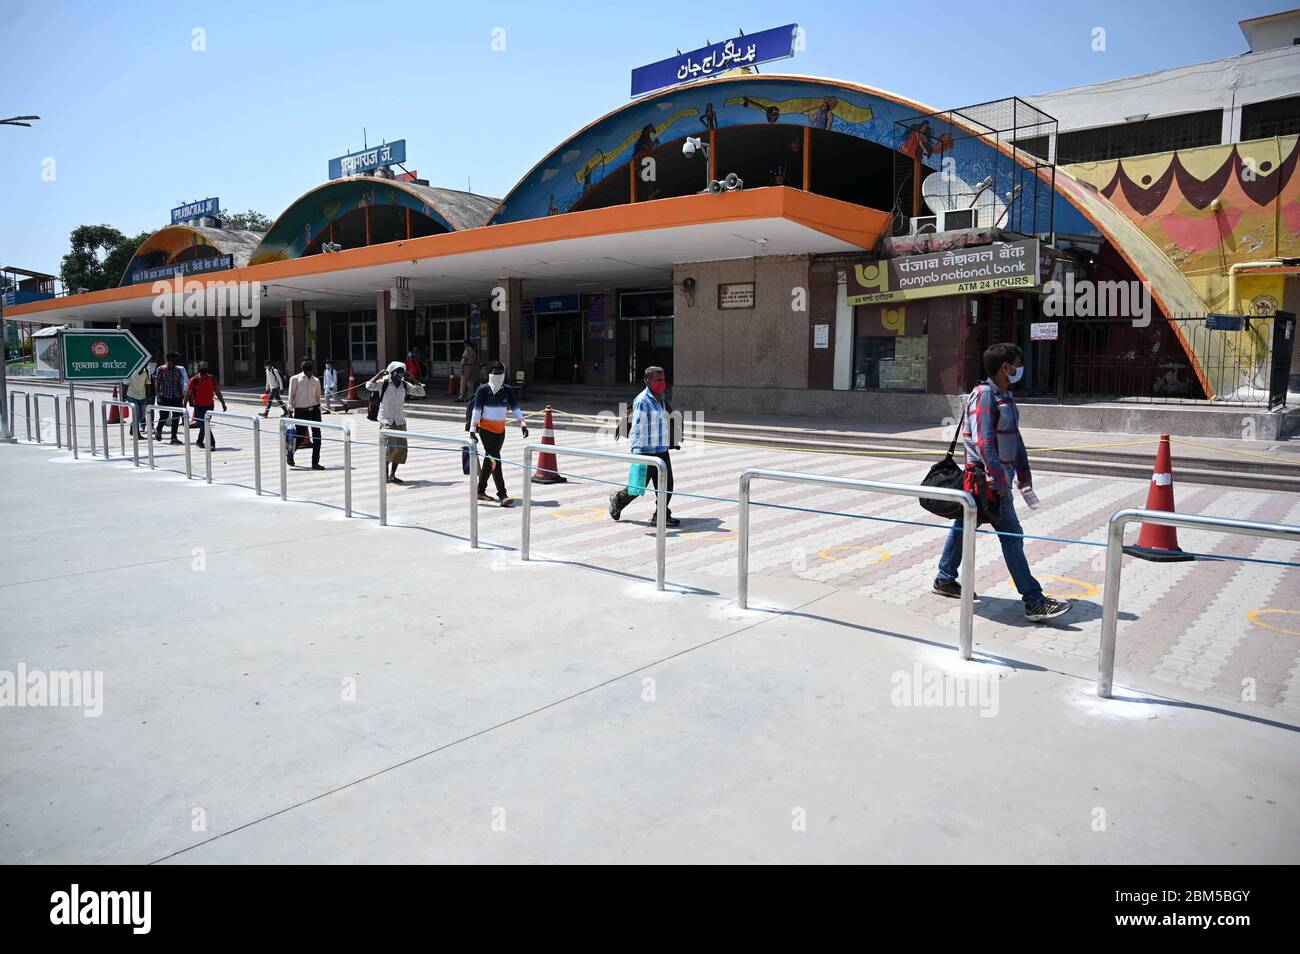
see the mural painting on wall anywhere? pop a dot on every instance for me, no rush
(1209, 208)
(561, 180)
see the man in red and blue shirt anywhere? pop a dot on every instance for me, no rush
(991, 425)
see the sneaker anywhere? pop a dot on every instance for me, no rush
(506, 501)
(322, 467)
(394, 479)
(484, 497)
(672, 522)
(950, 588)
(1047, 609)
(614, 510)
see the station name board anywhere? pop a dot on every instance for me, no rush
(367, 160)
(195, 266)
(774, 44)
(196, 210)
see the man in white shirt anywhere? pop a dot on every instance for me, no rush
(331, 381)
(304, 404)
(274, 385)
(394, 386)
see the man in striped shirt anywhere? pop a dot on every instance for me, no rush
(488, 424)
(992, 439)
(650, 434)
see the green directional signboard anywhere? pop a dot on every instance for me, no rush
(97, 354)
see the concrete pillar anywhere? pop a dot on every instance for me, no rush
(842, 376)
(225, 351)
(171, 337)
(510, 326)
(387, 330)
(211, 345)
(295, 342)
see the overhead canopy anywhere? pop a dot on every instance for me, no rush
(174, 243)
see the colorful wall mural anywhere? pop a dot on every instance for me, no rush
(1172, 197)
(556, 183)
(300, 224)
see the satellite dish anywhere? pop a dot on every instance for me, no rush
(951, 193)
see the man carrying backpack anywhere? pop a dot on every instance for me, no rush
(993, 443)
(488, 423)
(394, 385)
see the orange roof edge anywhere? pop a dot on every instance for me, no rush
(855, 224)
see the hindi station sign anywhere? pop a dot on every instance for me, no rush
(968, 271)
(368, 160)
(196, 210)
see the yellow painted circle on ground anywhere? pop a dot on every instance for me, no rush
(1255, 614)
(1089, 589)
(826, 554)
(579, 513)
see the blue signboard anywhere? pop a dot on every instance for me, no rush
(556, 304)
(195, 266)
(367, 160)
(741, 51)
(1223, 322)
(196, 210)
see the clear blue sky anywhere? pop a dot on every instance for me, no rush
(137, 121)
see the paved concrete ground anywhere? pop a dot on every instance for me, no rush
(283, 684)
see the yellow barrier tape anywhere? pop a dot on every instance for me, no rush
(1229, 450)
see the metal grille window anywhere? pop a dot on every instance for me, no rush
(1274, 117)
(1141, 137)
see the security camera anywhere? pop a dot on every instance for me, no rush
(690, 146)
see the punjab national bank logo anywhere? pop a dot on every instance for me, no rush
(873, 277)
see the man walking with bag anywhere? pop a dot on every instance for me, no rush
(170, 384)
(993, 445)
(304, 404)
(488, 423)
(650, 434)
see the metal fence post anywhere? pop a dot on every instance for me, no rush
(742, 545)
(383, 479)
(347, 472)
(284, 463)
(72, 427)
(257, 454)
(473, 495)
(527, 522)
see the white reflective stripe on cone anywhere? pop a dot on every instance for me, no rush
(1162, 480)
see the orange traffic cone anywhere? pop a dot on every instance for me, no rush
(352, 383)
(451, 381)
(548, 471)
(113, 416)
(1157, 543)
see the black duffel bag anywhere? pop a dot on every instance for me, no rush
(949, 475)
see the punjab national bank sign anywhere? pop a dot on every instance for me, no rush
(955, 272)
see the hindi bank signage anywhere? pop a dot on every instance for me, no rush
(956, 272)
(367, 160)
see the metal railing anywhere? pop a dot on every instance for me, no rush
(464, 442)
(966, 634)
(74, 439)
(58, 420)
(152, 419)
(257, 444)
(104, 405)
(661, 507)
(27, 412)
(347, 456)
(1115, 554)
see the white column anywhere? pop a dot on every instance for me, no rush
(843, 377)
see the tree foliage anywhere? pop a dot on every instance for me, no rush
(250, 221)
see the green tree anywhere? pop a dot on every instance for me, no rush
(99, 256)
(250, 221)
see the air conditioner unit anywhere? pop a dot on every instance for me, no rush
(945, 221)
(959, 219)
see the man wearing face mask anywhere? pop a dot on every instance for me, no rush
(304, 404)
(992, 440)
(651, 434)
(394, 385)
(488, 423)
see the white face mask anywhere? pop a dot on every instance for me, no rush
(495, 381)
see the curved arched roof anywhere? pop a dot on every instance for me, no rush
(171, 240)
(303, 221)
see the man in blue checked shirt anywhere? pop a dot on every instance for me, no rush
(650, 434)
